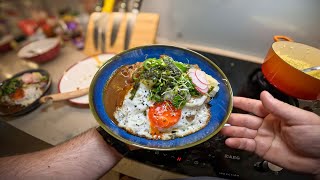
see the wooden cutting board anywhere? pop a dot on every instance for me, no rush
(144, 32)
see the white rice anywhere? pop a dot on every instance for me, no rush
(31, 93)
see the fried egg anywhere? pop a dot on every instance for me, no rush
(134, 116)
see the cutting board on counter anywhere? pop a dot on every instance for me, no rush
(144, 32)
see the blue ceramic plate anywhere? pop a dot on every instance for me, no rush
(221, 104)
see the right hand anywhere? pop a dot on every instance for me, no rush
(278, 132)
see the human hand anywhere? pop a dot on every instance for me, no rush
(278, 132)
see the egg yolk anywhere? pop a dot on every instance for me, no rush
(163, 115)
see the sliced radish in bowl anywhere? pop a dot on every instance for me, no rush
(196, 81)
(201, 77)
(192, 70)
(203, 91)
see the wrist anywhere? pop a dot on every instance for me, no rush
(121, 148)
(103, 145)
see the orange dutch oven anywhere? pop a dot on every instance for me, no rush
(287, 78)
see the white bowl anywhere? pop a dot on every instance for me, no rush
(40, 51)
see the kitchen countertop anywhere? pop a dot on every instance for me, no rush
(61, 121)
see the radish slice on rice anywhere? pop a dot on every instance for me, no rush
(201, 77)
(27, 78)
(196, 81)
(203, 91)
(192, 70)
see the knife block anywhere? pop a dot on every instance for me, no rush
(144, 32)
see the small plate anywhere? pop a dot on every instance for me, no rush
(80, 75)
(220, 105)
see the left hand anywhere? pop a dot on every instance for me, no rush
(278, 132)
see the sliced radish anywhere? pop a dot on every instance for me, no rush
(27, 78)
(192, 70)
(196, 81)
(207, 87)
(203, 91)
(201, 76)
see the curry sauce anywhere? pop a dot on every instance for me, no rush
(117, 88)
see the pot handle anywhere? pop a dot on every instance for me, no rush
(277, 38)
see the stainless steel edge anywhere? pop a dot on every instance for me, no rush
(96, 32)
(115, 27)
(117, 21)
(131, 22)
(130, 25)
(103, 32)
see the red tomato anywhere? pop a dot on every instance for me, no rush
(164, 115)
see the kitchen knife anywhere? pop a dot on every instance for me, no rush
(103, 36)
(131, 21)
(117, 21)
(96, 31)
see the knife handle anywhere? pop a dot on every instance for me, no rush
(108, 6)
(99, 6)
(123, 6)
(136, 6)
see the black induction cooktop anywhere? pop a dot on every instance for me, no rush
(213, 158)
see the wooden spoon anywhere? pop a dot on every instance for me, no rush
(64, 96)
